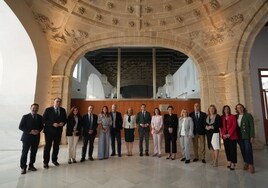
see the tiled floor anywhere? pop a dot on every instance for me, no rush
(132, 171)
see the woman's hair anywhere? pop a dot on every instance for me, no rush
(131, 111)
(71, 113)
(157, 110)
(244, 109)
(226, 106)
(106, 109)
(186, 112)
(213, 106)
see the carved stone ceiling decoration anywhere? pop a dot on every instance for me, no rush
(217, 35)
(73, 21)
(136, 64)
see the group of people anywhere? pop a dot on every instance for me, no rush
(188, 127)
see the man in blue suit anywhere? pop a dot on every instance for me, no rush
(31, 124)
(143, 121)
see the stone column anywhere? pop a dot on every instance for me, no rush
(154, 73)
(118, 72)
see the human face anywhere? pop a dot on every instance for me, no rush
(90, 109)
(211, 110)
(170, 111)
(105, 110)
(226, 110)
(240, 109)
(75, 111)
(57, 102)
(196, 107)
(143, 108)
(184, 113)
(34, 109)
(114, 108)
(129, 111)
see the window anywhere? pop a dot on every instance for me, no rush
(77, 71)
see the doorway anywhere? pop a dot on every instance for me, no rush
(263, 80)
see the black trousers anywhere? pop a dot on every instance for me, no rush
(50, 139)
(230, 147)
(144, 133)
(88, 138)
(29, 144)
(170, 139)
(115, 135)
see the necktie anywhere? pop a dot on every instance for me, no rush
(196, 115)
(129, 119)
(57, 112)
(114, 116)
(144, 115)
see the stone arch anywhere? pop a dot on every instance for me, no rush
(240, 55)
(65, 65)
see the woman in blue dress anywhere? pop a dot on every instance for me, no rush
(104, 121)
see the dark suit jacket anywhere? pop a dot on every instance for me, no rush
(86, 124)
(70, 125)
(118, 121)
(200, 123)
(171, 122)
(246, 129)
(216, 124)
(143, 120)
(27, 124)
(51, 117)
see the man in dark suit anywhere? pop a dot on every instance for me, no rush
(89, 129)
(116, 130)
(143, 121)
(31, 124)
(199, 119)
(54, 118)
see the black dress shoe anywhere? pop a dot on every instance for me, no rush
(187, 161)
(113, 154)
(119, 155)
(56, 163)
(46, 166)
(147, 154)
(195, 159)
(91, 159)
(32, 168)
(141, 154)
(183, 159)
(23, 171)
(203, 161)
(82, 160)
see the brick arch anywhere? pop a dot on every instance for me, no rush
(240, 55)
(65, 65)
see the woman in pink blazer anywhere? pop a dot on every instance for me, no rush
(229, 136)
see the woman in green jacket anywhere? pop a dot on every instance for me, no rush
(246, 134)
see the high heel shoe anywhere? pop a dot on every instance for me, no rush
(169, 156)
(232, 166)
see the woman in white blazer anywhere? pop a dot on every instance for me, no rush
(185, 133)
